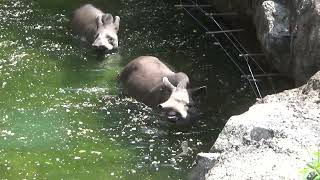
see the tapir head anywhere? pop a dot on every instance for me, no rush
(179, 108)
(106, 38)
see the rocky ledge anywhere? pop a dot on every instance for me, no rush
(274, 139)
(288, 30)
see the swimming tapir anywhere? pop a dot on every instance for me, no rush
(150, 81)
(98, 29)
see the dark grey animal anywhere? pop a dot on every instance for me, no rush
(150, 81)
(98, 28)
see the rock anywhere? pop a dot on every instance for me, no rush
(312, 85)
(204, 161)
(186, 150)
(272, 24)
(306, 44)
(288, 30)
(274, 139)
(258, 133)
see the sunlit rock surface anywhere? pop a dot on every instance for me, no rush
(275, 139)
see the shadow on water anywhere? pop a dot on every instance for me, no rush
(63, 115)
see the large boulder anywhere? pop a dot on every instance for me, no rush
(272, 25)
(288, 30)
(306, 44)
(275, 139)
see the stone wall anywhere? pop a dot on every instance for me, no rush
(288, 30)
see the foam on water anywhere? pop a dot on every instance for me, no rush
(62, 111)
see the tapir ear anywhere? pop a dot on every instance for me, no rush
(117, 23)
(107, 19)
(167, 83)
(200, 91)
(99, 21)
(183, 83)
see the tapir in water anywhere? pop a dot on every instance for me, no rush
(98, 28)
(150, 81)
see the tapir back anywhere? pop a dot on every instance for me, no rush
(143, 79)
(84, 21)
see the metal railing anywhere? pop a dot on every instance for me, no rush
(232, 39)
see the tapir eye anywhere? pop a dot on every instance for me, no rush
(110, 39)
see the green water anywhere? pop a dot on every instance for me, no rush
(62, 112)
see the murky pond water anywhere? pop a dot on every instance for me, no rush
(63, 115)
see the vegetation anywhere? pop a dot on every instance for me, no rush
(312, 169)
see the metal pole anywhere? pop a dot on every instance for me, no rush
(225, 31)
(264, 75)
(251, 54)
(222, 14)
(189, 5)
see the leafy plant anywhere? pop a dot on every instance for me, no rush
(312, 169)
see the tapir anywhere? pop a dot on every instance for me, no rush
(152, 82)
(99, 29)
